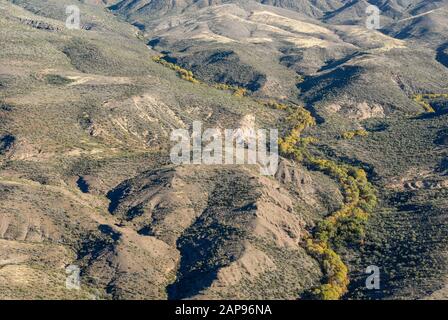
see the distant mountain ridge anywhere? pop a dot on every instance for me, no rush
(313, 8)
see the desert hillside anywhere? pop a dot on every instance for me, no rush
(86, 177)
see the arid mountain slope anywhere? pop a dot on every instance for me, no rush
(84, 121)
(85, 173)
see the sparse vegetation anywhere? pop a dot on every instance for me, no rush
(183, 73)
(342, 227)
(240, 92)
(275, 105)
(293, 144)
(237, 91)
(58, 80)
(425, 100)
(355, 133)
(336, 272)
(65, 144)
(419, 98)
(5, 107)
(188, 75)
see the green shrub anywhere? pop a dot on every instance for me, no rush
(420, 99)
(57, 80)
(183, 73)
(355, 133)
(347, 224)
